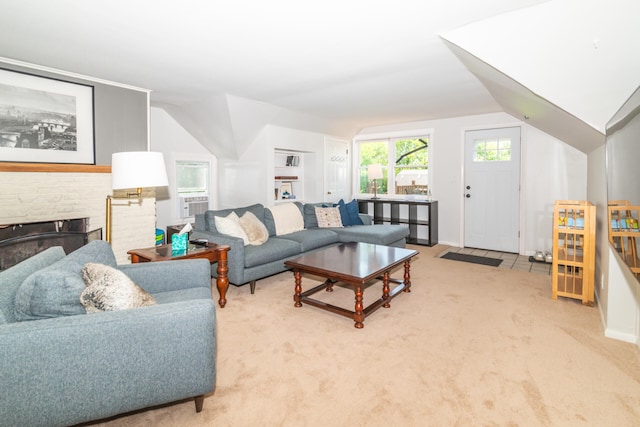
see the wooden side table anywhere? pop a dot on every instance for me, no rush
(212, 252)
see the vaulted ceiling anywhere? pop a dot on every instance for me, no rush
(225, 68)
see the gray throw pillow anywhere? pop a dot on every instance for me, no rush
(109, 289)
(55, 290)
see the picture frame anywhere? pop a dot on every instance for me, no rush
(45, 120)
(285, 190)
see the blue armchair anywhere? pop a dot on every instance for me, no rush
(69, 369)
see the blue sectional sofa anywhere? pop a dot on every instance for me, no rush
(248, 263)
(70, 367)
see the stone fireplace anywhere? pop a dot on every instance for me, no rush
(38, 193)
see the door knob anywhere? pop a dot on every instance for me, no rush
(468, 187)
(468, 196)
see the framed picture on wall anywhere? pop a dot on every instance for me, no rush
(44, 120)
(285, 190)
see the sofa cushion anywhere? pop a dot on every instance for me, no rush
(256, 231)
(230, 226)
(12, 278)
(286, 218)
(109, 289)
(382, 234)
(329, 217)
(274, 249)
(314, 238)
(209, 216)
(55, 290)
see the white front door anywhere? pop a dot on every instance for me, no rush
(492, 189)
(336, 170)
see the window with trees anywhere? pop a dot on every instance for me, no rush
(405, 165)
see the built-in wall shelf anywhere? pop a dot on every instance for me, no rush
(288, 176)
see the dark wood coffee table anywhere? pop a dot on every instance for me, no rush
(354, 264)
(212, 252)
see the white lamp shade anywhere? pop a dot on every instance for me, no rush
(138, 169)
(374, 171)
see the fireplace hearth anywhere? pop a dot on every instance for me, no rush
(21, 241)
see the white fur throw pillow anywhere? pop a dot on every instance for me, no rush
(328, 217)
(256, 231)
(230, 225)
(109, 289)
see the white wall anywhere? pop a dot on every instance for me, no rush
(623, 293)
(249, 179)
(617, 291)
(168, 137)
(550, 170)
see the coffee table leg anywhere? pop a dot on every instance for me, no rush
(358, 316)
(385, 289)
(298, 288)
(407, 276)
(222, 282)
(329, 285)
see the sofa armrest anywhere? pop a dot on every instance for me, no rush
(235, 258)
(366, 219)
(165, 276)
(69, 370)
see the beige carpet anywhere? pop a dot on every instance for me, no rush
(471, 345)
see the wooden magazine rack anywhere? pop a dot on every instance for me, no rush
(624, 229)
(574, 231)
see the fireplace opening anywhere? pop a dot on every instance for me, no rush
(21, 241)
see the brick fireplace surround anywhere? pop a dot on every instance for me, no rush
(37, 192)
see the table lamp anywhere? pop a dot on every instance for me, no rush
(135, 169)
(374, 172)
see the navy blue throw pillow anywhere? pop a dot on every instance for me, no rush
(344, 214)
(352, 211)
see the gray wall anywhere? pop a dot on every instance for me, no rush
(120, 115)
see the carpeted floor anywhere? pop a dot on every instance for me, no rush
(470, 345)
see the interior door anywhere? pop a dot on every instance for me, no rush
(336, 164)
(492, 189)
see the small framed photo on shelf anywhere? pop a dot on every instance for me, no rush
(285, 190)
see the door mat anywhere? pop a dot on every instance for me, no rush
(494, 262)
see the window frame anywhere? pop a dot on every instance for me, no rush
(390, 138)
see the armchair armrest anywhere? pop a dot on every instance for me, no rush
(166, 276)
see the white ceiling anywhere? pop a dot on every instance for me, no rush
(364, 62)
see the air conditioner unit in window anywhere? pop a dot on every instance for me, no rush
(191, 206)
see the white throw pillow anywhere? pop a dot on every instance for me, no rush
(287, 218)
(328, 217)
(256, 231)
(109, 289)
(230, 226)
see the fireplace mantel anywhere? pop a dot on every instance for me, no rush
(52, 167)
